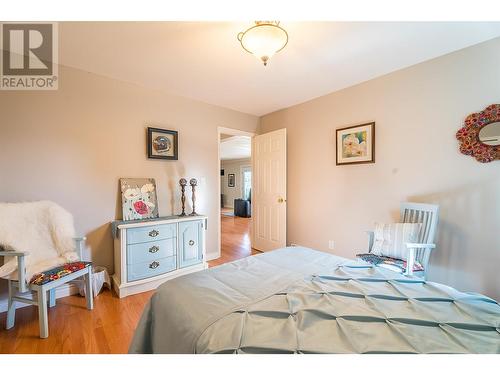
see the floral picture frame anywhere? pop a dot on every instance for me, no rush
(355, 144)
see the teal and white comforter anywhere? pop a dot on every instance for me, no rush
(297, 300)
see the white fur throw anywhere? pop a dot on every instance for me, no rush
(44, 229)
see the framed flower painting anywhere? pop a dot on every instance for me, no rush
(356, 144)
(139, 199)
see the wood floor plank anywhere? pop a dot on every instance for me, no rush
(110, 326)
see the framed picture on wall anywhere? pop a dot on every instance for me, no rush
(162, 144)
(356, 144)
(230, 180)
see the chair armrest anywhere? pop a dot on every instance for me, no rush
(21, 267)
(412, 247)
(13, 253)
(371, 236)
(79, 245)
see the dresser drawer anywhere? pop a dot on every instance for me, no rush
(150, 233)
(149, 251)
(156, 267)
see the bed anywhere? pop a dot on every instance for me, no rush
(297, 300)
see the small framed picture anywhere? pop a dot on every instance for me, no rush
(162, 144)
(230, 180)
(356, 144)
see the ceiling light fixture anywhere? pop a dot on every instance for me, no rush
(264, 39)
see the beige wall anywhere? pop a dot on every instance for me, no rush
(72, 145)
(417, 112)
(233, 166)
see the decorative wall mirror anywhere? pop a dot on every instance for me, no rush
(480, 135)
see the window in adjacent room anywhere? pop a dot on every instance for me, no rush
(246, 182)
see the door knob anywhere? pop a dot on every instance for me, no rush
(281, 200)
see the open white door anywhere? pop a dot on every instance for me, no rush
(269, 190)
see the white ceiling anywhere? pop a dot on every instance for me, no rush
(235, 147)
(204, 60)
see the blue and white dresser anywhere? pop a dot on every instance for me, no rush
(149, 252)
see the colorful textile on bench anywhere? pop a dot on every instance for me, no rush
(379, 260)
(58, 272)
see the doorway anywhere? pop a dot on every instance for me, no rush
(235, 190)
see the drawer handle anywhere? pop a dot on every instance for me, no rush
(154, 265)
(153, 233)
(191, 242)
(154, 249)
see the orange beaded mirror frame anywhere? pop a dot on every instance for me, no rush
(480, 135)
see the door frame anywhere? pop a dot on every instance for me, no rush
(234, 132)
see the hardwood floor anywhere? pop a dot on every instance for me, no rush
(235, 238)
(110, 326)
(74, 329)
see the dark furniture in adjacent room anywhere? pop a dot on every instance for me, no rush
(242, 208)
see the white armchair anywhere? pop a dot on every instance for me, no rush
(420, 251)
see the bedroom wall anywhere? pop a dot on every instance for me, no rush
(72, 145)
(417, 112)
(233, 166)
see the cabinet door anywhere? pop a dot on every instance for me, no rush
(190, 243)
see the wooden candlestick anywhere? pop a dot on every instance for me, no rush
(193, 184)
(183, 183)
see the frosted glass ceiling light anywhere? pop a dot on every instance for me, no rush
(264, 39)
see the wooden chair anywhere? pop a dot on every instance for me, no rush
(23, 290)
(420, 251)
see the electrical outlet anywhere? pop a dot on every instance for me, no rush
(331, 244)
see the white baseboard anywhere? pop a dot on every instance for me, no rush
(212, 256)
(63, 291)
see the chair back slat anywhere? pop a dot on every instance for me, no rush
(424, 232)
